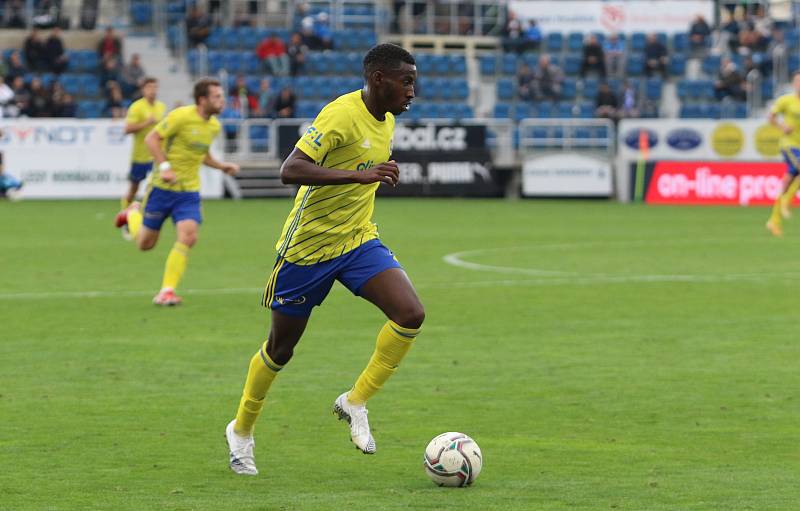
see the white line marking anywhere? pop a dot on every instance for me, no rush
(562, 277)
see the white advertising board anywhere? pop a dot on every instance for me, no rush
(670, 16)
(75, 158)
(566, 175)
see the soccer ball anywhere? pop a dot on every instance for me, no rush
(453, 459)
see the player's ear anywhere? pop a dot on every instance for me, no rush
(377, 77)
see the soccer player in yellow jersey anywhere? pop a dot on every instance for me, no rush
(142, 116)
(179, 144)
(340, 161)
(788, 108)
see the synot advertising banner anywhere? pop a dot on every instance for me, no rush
(713, 182)
(434, 159)
(74, 158)
(566, 175)
(622, 16)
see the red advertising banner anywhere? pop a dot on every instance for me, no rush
(715, 183)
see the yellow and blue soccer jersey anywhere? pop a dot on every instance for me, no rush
(330, 221)
(788, 106)
(187, 138)
(139, 111)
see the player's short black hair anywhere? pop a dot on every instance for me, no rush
(386, 57)
(149, 79)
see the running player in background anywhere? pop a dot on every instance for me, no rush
(179, 144)
(787, 107)
(340, 161)
(143, 115)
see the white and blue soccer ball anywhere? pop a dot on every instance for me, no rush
(453, 459)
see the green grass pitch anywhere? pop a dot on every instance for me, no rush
(604, 357)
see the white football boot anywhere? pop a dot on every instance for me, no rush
(241, 450)
(356, 416)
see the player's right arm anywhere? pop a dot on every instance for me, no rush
(779, 109)
(301, 169)
(168, 127)
(135, 121)
(332, 128)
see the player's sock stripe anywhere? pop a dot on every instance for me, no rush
(404, 334)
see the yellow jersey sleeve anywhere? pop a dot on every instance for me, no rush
(779, 107)
(170, 125)
(135, 113)
(327, 132)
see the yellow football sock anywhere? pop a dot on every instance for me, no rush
(135, 220)
(775, 216)
(124, 202)
(259, 378)
(791, 192)
(394, 341)
(176, 265)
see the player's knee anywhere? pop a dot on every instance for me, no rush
(411, 317)
(280, 355)
(189, 239)
(145, 244)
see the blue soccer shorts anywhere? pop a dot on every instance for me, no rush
(139, 171)
(160, 204)
(792, 157)
(295, 289)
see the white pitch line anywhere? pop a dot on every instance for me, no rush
(561, 277)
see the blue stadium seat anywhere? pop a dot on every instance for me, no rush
(248, 38)
(488, 65)
(653, 88)
(234, 62)
(457, 65)
(460, 90)
(569, 89)
(505, 89)
(711, 65)
(638, 41)
(554, 42)
(230, 38)
(502, 111)
(682, 89)
(250, 62)
(690, 111)
(463, 111)
(767, 88)
(509, 64)
(215, 41)
(586, 110)
(259, 138)
(572, 64)
(523, 111)
(353, 63)
(141, 13)
(90, 109)
(71, 83)
(546, 109)
(253, 83)
(216, 61)
(590, 87)
(680, 42)
(231, 128)
(794, 62)
(575, 41)
(193, 61)
(710, 110)
(635, 64)
(677, 64)
(440, 65)
(564, 110)
(89, 85)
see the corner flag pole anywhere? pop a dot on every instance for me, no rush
(644, 150)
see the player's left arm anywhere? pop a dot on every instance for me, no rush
(227, 167)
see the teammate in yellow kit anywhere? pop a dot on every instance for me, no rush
(179, 144)
(340, 161)
(787, 107)
(143, 114)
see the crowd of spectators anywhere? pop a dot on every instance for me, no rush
(24, 93)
